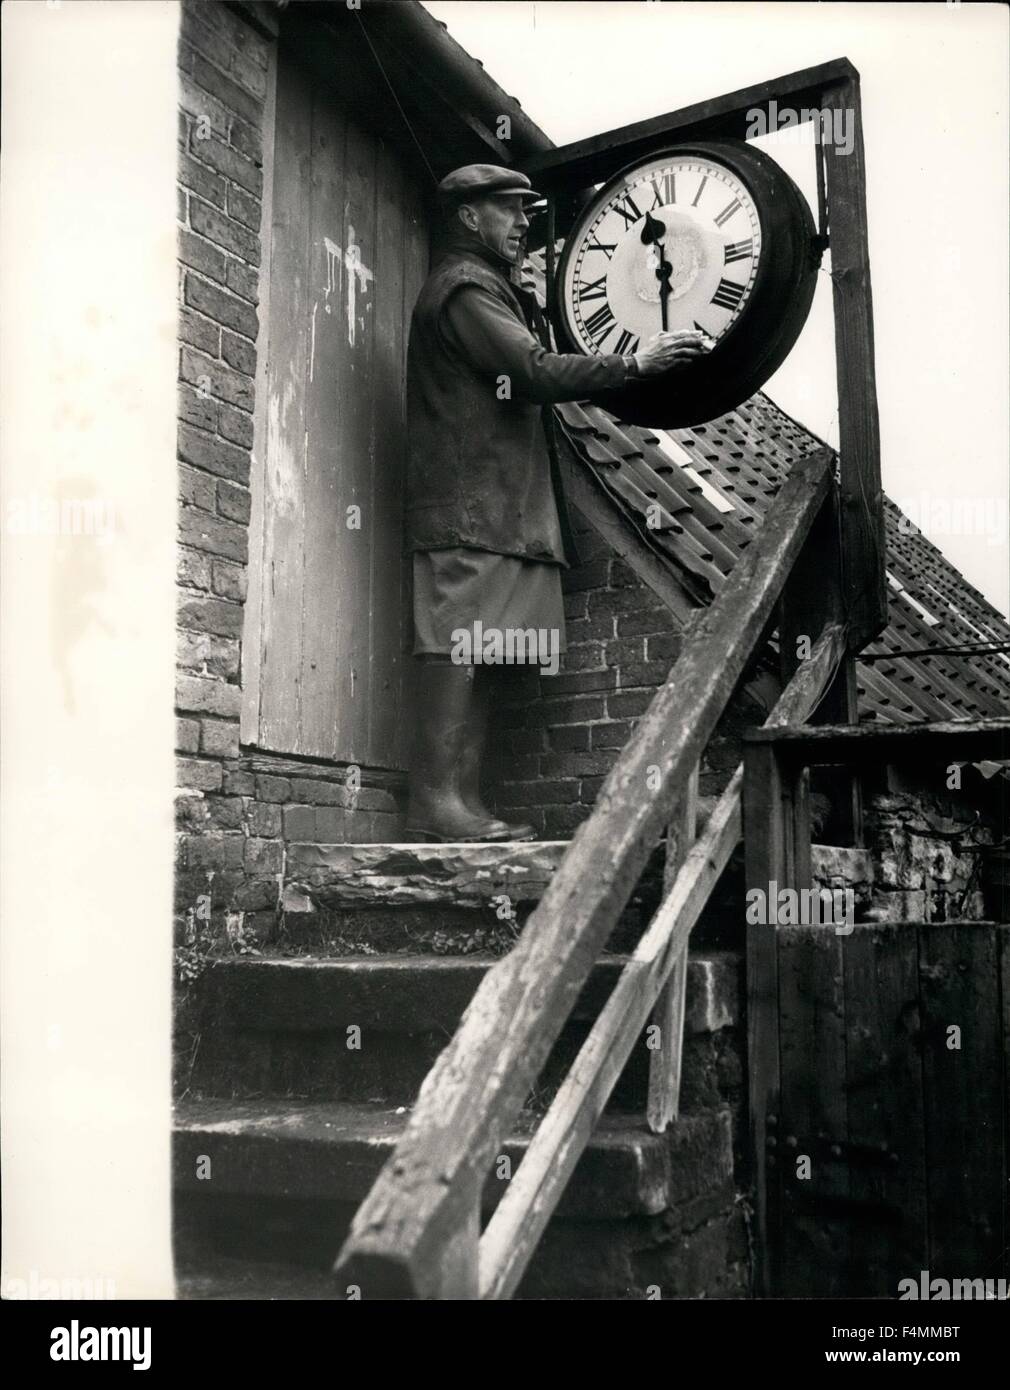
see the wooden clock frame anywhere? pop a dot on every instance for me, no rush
(564, 174)
(852, 589)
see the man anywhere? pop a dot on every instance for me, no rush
(482, 510)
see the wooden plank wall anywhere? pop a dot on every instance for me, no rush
(905, 1121)
(326, 644)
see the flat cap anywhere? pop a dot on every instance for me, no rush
(483, 181)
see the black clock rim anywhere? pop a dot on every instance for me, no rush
(778, 304)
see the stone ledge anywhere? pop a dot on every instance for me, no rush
(413, 874)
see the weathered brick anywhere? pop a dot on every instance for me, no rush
(225, 812)
(197, 410)
(628, 702)
(592, 576)
(603, 602)
(256, 893)
(213, 534)
(227, 161)
(571, 736)
(238, 354)
(235, 425)
(199, 332)
(215, 455)
(243, 280)
(652, 673)
(233, 502)
(561, 821)
(300, 824)
(200, 104)
(331, 825)
(229, 93)
(206, 654)
(205, 38)
(371, 799)
(575, 605)
(624, 649)
(589, 790)
(196, 489)
(248, 140)
(319, 793)
(187, 735)
(193, 773)
(587, 656)
(211, 851)
(244, 207)
(191, 812)
(578, 681)
(229, 580)
(219, 739)
(272, 788)
(219, 304)
(232, 387)
(559, 792)
(202, 181)
(613, 734)
(264, 819)
(200, 695)
(249, 73)
(579, 630)
(210, 222)
(201, 255)
(647, 621)
(239, 783)
(193, 569)
(664, 647)
(210, 615)
(573, 711)
(181, 206)
(573, 764)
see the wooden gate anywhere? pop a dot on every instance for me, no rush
(345, 252)
(879, 1057)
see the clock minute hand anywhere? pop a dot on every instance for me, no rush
(663, 272)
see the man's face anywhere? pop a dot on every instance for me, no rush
(499, 221)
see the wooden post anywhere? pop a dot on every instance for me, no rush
(665, 1064)
(864, 590)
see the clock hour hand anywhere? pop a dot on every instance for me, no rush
(652, 234)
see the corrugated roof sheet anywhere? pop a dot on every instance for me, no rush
(744, 456)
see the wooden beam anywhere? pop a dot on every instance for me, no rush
(519, 1219)
(479, 1082)
(588, 161)
(666, 1062)
(960, 740)
(863, 551)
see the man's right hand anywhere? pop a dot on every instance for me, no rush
(672, 349)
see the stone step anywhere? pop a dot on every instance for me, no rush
(285, 1026)
(333, 1152)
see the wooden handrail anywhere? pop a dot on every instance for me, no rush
(415, 1233)
(520, 1217)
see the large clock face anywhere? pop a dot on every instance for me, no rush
(673, 243)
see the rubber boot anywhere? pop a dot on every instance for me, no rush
(442, 760)
(473, 753)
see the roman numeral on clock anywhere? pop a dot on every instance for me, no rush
(701, 189)
(626, 343)
(738, 250)
(665, 189)
(607, 247)
(601, 323)
(628, 210)
(728, 212)
(593, 289)
(728, 294)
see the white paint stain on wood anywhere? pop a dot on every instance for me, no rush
(312, 344)
(358, 277)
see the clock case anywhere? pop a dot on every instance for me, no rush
(760, 339)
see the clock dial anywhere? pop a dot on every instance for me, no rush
(676, 243)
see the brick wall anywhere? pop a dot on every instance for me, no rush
(237, 810)
(556, 737)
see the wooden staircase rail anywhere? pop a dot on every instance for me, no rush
(415, 1235)
(520, 1217)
